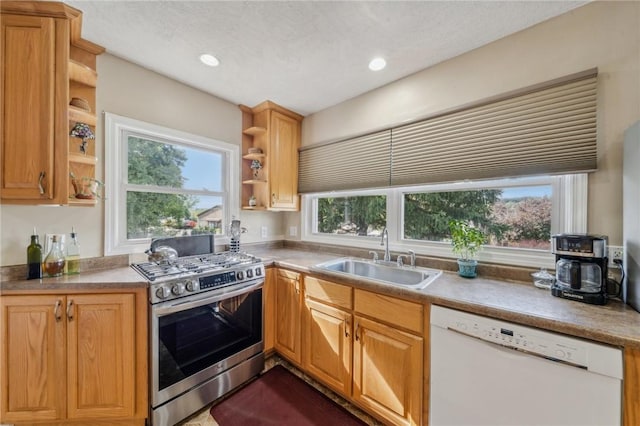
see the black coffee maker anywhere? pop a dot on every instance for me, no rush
(581, 267)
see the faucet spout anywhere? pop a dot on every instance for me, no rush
(387, 255)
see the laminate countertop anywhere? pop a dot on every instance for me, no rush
(615, 323)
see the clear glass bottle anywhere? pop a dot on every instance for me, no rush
(54, 262)
(73, 254)
(34, 258)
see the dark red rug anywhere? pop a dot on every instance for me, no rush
(280, 398)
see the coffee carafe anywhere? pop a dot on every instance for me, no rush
(581, 267)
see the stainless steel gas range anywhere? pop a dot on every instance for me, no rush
(206, 329)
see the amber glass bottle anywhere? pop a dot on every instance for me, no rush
(54, 262)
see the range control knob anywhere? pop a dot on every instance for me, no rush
(192, 285)
(177, 289)
(162, 292)
(249, 273)
(240, 275)
(258, 271)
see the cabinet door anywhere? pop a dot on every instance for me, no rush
(283, 171)
(101, 355)
(33, 358)
(327, 345)
(288, 304)
(387, 374)
(28, 107)
(269, 309)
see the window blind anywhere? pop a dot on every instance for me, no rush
(545, 129)
(361, 162)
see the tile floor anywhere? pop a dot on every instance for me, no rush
(203, 418)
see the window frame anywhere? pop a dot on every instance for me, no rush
(117, 131)
(569, 214)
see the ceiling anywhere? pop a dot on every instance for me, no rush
(303, 55)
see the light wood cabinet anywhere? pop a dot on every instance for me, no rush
(275, 132)
(269, 309)
(387, 357)
(288, 297)
(387, 371)
(73, 357)
(327, 333)
(43, 65)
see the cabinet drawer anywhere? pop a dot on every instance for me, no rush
(326, 291)
(289, 274)
(388, 309)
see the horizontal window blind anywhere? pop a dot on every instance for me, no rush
(546, 129)
(362, 162)
(543, 132)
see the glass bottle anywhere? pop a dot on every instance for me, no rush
(54, 262)
(34, 258)
(73, 254)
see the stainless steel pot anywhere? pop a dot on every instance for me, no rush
(162, 253)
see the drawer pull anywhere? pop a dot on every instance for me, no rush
(70, 309)
(40, 184)
(56, 310)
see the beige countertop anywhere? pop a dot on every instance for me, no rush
(523, 303)
(122, 277)
(614, 323)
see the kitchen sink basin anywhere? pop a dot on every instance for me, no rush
(384, 272)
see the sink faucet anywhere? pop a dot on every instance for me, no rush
(375, 256)
(412, 254)
(387, 256)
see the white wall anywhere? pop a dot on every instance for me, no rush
(129, 90)
(605, 35)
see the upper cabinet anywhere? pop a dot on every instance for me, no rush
(270, 142)
(48, 82)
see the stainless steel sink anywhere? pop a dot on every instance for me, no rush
(384, 272)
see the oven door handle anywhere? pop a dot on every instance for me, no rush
(182, 305)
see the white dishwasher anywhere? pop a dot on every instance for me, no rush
(490, 372)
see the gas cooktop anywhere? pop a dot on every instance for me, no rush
(190, 275)
(191, 266)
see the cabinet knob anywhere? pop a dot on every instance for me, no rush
(357, 334)
(346, 328)
(40, 182)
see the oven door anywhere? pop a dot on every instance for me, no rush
(198, 337)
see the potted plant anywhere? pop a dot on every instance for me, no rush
(466, 241)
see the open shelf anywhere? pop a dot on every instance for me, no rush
(254, 208)
(258, 157)
(254, 130)
(82, 116)
(82, 74)
(82, 159)
(83, 203)
(252, 181)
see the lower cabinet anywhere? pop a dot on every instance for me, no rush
(367, 347)
(387, 372)
(73, 357)
(328, 346)
(288, 298)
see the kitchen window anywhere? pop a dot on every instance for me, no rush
(519, 216)
(161, 182)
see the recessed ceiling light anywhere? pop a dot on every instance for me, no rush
(210, 60)
(377, 64)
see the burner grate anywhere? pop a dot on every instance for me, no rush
(193, 265)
